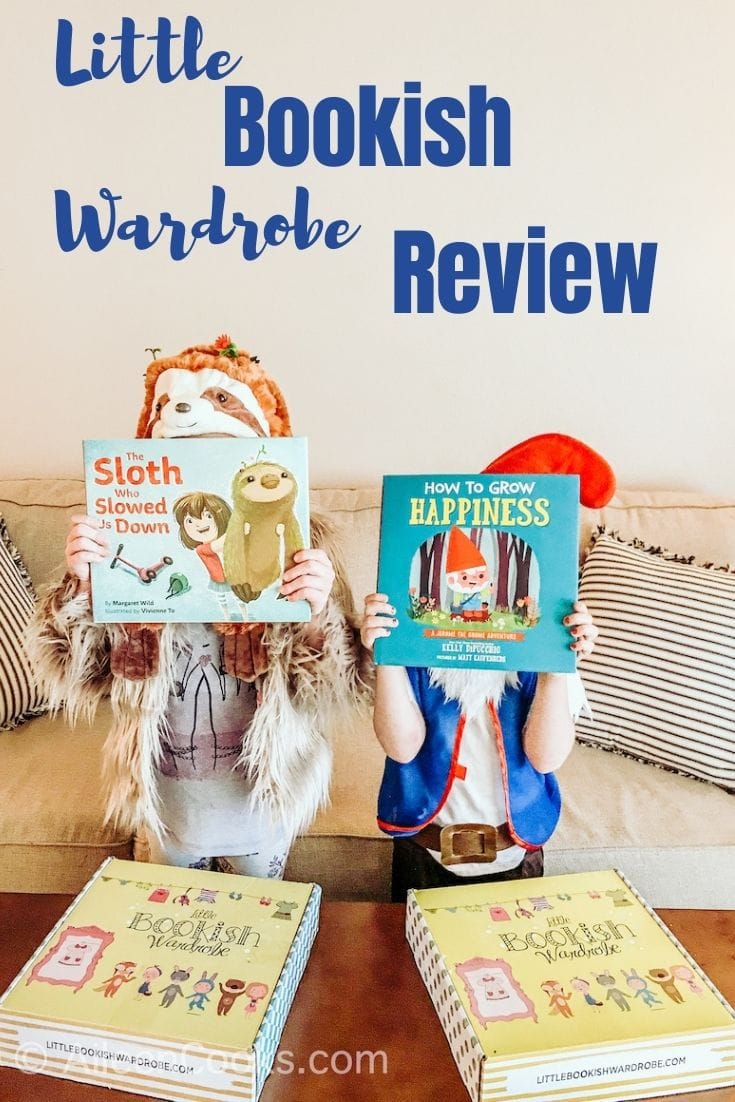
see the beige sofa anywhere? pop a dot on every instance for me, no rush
(674, 837)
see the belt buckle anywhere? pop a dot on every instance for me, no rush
(467, 843)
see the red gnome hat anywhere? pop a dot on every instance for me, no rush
(462, 553)
(554, 453)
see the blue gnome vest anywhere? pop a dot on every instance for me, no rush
(413, 793)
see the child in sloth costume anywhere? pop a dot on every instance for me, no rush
(192, 701)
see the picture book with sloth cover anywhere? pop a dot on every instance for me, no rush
(481, 570)
(567, 987)
(169, 982)
(199, 531)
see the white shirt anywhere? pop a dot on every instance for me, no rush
(207, 804)
(480, 796)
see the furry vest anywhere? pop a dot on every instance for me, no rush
(315, 674)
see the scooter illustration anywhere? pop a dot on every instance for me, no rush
(145, 574)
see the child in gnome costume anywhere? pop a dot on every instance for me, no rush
(219, 739)
(468, 792)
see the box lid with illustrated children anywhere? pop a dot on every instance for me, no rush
(169, 982)
(198, 530)
(567, 987)
(481, 570)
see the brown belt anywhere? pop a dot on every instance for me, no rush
(465, 843)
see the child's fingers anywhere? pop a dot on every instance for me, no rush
(575, 619)
(85, 543)
(306, 593)
(88, 556)
(82, 518)
(381, 622)
(309, 568)
(583, 645)
(378, 603)
(316, 598)
(369, 634)
(378, 621)
(584, 631)
(585, 635)
(312, 554)
(318, 582)
(86, 530)
(79, 565)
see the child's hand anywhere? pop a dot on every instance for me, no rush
(378, 619)
(582, 628)
(309, 579)
(84, 544)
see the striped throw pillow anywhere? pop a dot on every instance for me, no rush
(19, 696)
(661, 680)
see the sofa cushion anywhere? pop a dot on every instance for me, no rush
(52, 829)
(704, 526)
(674, 837)
(20, 697)
(661, 680)
(37, 511)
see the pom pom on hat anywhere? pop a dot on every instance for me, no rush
(554, 453)
(249, 381)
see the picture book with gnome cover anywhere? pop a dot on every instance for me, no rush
(481, 570)
(200, 531)
(567, 987)
(163, 981)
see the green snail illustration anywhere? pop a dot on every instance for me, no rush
(177, 584)
(263, 496)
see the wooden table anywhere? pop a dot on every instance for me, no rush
(361, 994)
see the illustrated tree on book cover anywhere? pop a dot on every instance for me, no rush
(482, 577)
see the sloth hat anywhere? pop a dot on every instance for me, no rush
(211, 390)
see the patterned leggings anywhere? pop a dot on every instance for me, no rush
(266, 862)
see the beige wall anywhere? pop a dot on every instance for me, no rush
(622, 126)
